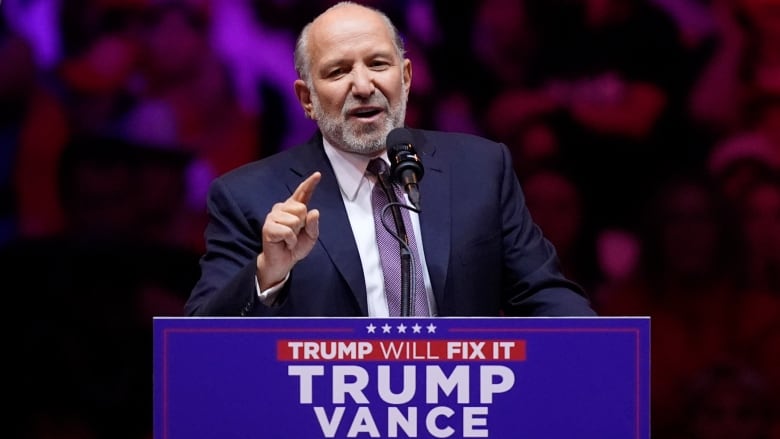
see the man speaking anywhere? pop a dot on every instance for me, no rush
(337, 227)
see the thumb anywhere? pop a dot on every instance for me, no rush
(308, 235)
(313, 224)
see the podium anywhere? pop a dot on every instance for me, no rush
(307, 378)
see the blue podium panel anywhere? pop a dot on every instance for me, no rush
(305, 378)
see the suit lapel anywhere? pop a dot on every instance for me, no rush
(435, 222)
(335, 231)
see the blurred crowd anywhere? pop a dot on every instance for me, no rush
(646, 134)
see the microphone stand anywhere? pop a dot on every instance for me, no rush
(403, 239)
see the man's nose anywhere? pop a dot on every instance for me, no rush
(362, 82)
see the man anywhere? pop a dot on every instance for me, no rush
(293, 234)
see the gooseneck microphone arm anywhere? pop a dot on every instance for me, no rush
(409, 181)
(407, 267)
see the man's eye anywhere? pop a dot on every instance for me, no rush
(335, 73)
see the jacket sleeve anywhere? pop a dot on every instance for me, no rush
(533, 282)
(227, 284)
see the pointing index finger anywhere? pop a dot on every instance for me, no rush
(305, 190)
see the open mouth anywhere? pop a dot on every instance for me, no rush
(365, 113)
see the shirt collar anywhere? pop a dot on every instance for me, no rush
(349, 167)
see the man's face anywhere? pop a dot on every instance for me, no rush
(359, 85)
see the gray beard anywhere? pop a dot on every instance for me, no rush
(369, 140)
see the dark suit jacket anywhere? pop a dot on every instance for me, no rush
(485, 256)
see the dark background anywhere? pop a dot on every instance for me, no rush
(646, 134)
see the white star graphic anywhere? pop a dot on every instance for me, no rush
(386, 328)
(431, 329)
(401, 328)
(371, 328)
(416, 328)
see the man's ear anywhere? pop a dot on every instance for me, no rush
(304, 97)
(407, 74)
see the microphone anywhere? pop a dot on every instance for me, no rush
(405, 166)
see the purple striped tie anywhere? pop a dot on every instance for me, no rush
(389, 248)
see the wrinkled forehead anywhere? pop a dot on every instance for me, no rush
(349, 22)
(349, 33)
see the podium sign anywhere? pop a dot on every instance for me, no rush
(535, 378)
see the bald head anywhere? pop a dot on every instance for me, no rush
(334, 19)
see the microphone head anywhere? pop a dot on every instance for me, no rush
(402, 155)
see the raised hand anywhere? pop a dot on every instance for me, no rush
(289, 233)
